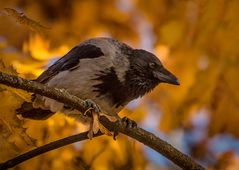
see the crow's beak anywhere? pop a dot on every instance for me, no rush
(166, 77)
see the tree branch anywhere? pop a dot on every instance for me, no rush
(45, 148)
(143, 136)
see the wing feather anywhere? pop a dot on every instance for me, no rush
(70, 61)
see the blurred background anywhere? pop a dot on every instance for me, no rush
(196, 39)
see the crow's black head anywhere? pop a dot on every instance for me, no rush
(146, 71)
(150, 66)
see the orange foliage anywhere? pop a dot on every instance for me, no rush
(196, 39)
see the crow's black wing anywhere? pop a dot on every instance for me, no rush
(70, 61)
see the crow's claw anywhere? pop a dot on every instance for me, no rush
(128, 123)
(90, 105)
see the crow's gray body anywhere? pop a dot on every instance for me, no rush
(104, 70)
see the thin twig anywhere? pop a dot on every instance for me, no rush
(45, 148)
(147, 138)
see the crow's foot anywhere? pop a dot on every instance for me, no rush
(91, 105)
(128, 123)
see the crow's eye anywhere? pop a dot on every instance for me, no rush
(152, 65)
